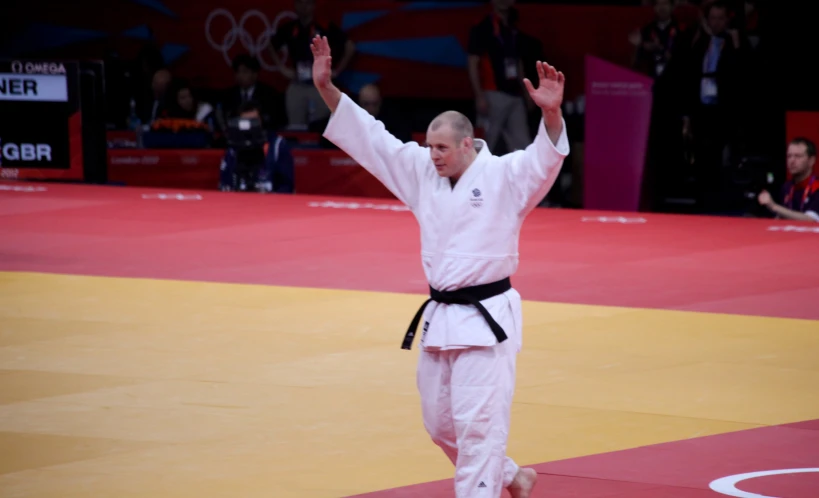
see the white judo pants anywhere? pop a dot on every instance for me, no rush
(466, 400)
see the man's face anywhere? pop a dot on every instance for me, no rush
(448, 154)
(717, 20)
(245, 77)
(799, 163)
(662, 9)
(160, 82)
(185, 99)
(370, 100)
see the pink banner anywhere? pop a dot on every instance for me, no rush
(618, 115)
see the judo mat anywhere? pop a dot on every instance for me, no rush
(201, 344)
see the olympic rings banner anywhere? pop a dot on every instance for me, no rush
(238, 34)
(411, 49)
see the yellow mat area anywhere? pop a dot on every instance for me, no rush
(143, 388)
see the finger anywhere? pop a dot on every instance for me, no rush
(560, 77)
(545, 67)
(528, 85)
(551, 72)
(540, 71)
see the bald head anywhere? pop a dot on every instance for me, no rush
(460, 125)
(451, 144)
(369, 97)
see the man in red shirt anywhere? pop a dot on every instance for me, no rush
(800, 194)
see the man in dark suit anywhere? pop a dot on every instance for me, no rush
(713, 97)
(248, 88)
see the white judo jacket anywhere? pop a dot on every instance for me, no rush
(469, 233)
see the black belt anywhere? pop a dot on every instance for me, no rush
(468, 295)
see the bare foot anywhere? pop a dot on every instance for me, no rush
(523, 483)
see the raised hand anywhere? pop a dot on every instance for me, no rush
(549, 93)
(322, 62)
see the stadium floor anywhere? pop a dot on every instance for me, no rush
(181, 344)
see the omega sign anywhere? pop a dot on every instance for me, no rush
(18, 67)
(34, 81)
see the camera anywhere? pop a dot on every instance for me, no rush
(753, 175)
(247, 138)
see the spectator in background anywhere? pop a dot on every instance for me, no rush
(248, 88)
(140, 74)
(686, 13)
(303, 103)
(752, 23)
(657, 54)
(713, 98)
(496, 75)
(158, 105)
(188, 106)
(275, 175)
(655, 41)
(369, 98)
(800, 194)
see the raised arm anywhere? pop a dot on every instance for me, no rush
(531, 172)
(397, 165)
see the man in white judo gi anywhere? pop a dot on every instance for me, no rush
(470, 206)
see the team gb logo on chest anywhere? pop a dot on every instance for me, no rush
(476, 200)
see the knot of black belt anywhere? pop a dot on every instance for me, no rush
(467, 295)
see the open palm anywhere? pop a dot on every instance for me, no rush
(322, 62)
(549, 92)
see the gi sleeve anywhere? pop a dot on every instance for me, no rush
(397, 165)
(531, 172)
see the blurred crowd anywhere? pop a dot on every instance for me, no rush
(706, 148)
(704, 130)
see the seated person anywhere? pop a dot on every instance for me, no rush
(185, 123)
(800, 194)
(187, 105)
(262, 164)
(369, 98)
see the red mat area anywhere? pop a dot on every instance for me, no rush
(681, 469)
(726, 265)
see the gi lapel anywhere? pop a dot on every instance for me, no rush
(452, 205)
